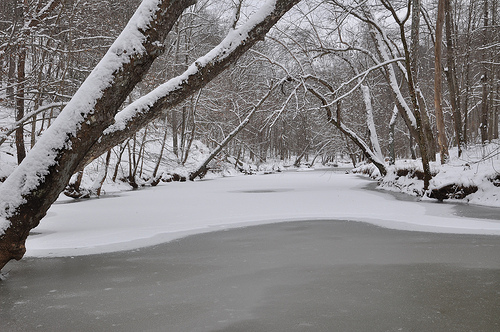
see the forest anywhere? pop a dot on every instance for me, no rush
(224, 85)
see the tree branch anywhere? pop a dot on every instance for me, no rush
(149, 107)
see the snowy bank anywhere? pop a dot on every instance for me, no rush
(473, 178)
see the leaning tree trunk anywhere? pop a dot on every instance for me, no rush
(369, 154)
(77, 137)
(202, 169)
(31, 189)
(154, 179)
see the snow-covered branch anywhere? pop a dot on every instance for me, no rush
(361, 78)
(5, 133)
(149, 107)
(36, 183)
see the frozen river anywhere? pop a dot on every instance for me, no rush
(329, 267)
(298, 276)
(134, 219)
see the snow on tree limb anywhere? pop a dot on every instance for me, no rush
(29, 191)
(199, 73)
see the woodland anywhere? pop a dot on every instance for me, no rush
(181, 88)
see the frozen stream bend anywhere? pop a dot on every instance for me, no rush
(317, 275)
(156, 215)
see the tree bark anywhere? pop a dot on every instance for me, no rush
(442, 141)
(97, 185)
(392, 126)
(485, 86)
(118, 161)
(423, 138)
(21, 76)
(160, 156)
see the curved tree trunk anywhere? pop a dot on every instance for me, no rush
(31, 189)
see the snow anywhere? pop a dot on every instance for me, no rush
(371, 124)
(173, 210)
(35, 166)
(478, 167)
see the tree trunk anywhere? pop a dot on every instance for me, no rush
(97, 185)
(495, 111)
(451, 76)
(442, 141)
(392, 126)
(193, 128)
(484, 80)
(466, 79)
(11, 77)
(421, 119)
(160, 156)
(31, 189)
(21, 76)
(119, 159)
(426, 127)
(370, 123)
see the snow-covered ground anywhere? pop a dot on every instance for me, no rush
(474, 177)
(172, 210)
